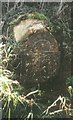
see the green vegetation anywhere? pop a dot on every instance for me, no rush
(13, 98)
(53, 101)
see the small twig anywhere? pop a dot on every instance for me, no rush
(54, 104)
(57, 111)
(33, 92)
(36, 105)
(60, 7)
(30, 115)
(8, 5)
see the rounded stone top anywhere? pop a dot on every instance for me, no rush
(27, 27)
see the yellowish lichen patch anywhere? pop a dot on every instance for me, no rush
(27, 27)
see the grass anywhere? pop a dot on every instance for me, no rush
(12, 95)
(16, 102)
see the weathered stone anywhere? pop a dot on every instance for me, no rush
(27, 27)
(37, 57)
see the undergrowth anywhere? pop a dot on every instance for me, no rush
(16, 103)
